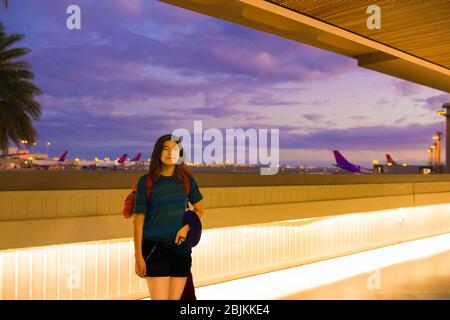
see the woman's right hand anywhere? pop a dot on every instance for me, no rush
(140, 267)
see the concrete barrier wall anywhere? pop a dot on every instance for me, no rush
(74, 215)
(105, 269)
(73, 243)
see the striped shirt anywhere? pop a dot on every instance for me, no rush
(164, 212)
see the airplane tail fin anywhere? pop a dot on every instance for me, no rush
(340, 160)
(389, 159)
(122, 158)
(137, 157)
(63, 156)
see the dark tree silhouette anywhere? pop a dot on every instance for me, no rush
(17, 92)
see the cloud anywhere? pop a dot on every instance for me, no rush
(405, 88)
(383, 101)
(219, 111)
(89, 134)
(359, 118)
(132, 53)
(259, 101)
(376, 137)
(412, 136)
(434, 103)
(400, 120)
(314, 117)
(131, 6)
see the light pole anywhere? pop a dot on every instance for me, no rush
(433, 152)
(47, 144)
(25, 143)
(447, 134)
(437, 138)
(430, 156)
(435, 156)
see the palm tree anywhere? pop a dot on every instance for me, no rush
(17, 104)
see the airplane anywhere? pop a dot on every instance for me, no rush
(108, 164)
(342, 163)
(50, 163)
(390, 161)
(20, 155)
(134, 161)
(396, 167)
(85, 163)
(112, 164)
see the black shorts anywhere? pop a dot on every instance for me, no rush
(160, 261)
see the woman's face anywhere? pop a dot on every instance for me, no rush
(170, 153)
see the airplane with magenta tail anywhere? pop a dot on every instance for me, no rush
(342, 163)
(389, 160)
(133, 162)
(50, 163)
(112, 163)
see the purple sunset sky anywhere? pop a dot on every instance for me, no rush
(140, 69)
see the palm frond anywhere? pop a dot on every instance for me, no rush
(18, 107)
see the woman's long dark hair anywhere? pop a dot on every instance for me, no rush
(181, 171)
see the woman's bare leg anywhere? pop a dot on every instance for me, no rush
(176, 287)
(158, 287)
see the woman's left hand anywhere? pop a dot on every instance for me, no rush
(182, 234)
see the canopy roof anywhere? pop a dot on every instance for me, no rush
(413, 42)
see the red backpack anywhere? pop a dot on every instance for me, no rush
(127, 212)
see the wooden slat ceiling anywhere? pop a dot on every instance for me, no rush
(417, 27)
(413, 42)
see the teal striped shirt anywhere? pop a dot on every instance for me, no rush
(164, 212)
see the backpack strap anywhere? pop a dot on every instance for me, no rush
(187, 187)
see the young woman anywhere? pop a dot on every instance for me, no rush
(162, 255)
